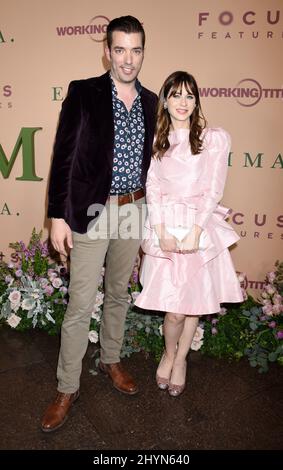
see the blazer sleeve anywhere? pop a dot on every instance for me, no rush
(66, 142)
(217, 143)
(153, 193)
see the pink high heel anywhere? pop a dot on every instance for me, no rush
(175, 390)
(162, 382)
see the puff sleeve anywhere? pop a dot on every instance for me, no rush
(217, 143)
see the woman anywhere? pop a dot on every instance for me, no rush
(187, 270)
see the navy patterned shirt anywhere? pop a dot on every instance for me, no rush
(128, 143)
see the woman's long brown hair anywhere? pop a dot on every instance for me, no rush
(174, 84)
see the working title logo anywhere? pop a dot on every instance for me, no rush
(248, 92)
(95, 29)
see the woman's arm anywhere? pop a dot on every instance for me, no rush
(215, 173)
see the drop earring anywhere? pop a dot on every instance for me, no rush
(165, 106)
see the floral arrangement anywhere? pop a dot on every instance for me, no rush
(33, 290)
(252, 328)
(34, 293)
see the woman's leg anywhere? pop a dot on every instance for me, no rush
(172, 329)
(178, 375)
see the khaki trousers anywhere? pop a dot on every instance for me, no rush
(87, 259)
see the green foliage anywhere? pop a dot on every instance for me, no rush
(278, 282)
(142, 333)
(231, 337)
(33, 293)
(244, 330)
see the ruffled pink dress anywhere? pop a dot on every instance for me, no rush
(182, 187)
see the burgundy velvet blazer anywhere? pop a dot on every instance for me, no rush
(81, 170)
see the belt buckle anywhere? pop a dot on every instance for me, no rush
(132, 197)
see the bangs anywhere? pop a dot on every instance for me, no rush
(177, 86)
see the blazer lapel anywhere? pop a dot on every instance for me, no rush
(103, 110)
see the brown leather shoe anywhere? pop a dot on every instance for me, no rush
(121, 379)
(57, 412)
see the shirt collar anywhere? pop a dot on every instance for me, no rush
(114, 89)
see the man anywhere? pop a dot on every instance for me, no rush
(102, 153)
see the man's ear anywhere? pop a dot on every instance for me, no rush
(107, 53)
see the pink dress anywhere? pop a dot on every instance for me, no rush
(182, 187)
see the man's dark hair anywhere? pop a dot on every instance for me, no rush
(127, 24)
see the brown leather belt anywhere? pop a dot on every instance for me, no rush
(121, 199)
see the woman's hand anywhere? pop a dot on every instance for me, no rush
(190, 244)
(167, 242)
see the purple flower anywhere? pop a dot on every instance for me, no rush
(271, 276)
(277, 299)
(279, 334)
(8, 279)
(276, 309)
(22, 245)
(214, 321)
(135, 275)
(272, 324)
(63, 289)
(267, 309)
(214, 331)
(19, 273)
(49, 290)
(208, 318)
(223, 311)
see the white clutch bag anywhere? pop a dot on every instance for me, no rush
(180, 233)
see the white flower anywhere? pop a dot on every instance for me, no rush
(43, 282)
(15, 297)
(223, 311)
(13, 320)
(93, 336)
(98, 301)
(57, 282)
(241, 277)
(35, 294)
(197, 339)
(96, 316)
(270, 290)
(161, 330)
(28, 304)
(52, 275)
(135, 295)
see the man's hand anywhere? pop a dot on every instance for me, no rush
(61, 236)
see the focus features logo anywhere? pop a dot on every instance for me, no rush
(5, 97)
(232, 25)
(258, 226)
(95, 29)
(248, 92)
